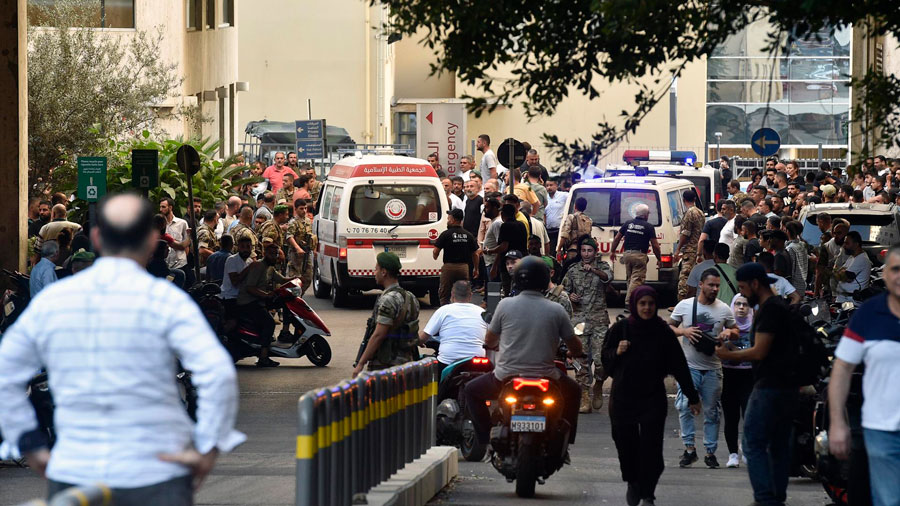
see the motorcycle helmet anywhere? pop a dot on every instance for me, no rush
(532, 274)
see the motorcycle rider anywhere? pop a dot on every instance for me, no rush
(458, 326)
(527, 346)
(255, 292)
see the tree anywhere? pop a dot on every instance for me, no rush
(555, 47)
(85, 86)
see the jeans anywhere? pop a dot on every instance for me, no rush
(709, 386)
(884, 466)
(174, 492)
(767, 442)
(487, 388)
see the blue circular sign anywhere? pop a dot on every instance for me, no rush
(765, 142)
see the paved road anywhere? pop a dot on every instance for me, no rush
(262, 470)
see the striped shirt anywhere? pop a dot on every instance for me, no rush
(109, 337)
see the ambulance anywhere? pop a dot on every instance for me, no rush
(611, 201)
(375, 203)
(707, 180)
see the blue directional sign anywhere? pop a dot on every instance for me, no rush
(310, 129)
(310, 148)
(765, 142)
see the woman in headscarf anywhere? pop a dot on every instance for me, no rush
(737, 379)
(638, 353)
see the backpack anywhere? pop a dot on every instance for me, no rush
(809, 357)
(403, 335)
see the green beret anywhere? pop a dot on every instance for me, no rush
(83, 256)
(549, 261)
(280, 209)
(589, 242)
(389, 261)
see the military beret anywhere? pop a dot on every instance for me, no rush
(388, 260)
(280, 209)
(589, 242)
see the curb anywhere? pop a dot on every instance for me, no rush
(419, 481)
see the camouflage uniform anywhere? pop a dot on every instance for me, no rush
(592, 311)
(315, 186)
(287, 196)
(400, 346)
(206, 238)
(561, 297)
(240, 230)
(574, 226)
(691, 228)
(300, 229)
(270, 229)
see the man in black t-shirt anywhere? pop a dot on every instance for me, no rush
(639, 235)
(752, 248)
(713, 228)
(472, 208)
(766, 435)
(459, 247)
(512, 236)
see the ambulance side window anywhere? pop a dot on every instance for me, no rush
(674, 199)
(336, 202)
(325, 208)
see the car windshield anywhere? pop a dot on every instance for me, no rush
(612, 207)
(873, 228)
(394, 205)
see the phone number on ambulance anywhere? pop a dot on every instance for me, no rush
(368, 230)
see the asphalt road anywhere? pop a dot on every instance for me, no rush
(261, 471)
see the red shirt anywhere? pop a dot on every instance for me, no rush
(274, 176)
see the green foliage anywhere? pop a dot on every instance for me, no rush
(212, 183)
(85, 86)
(553, 48)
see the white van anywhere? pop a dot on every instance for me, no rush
(375, 203)
(611, 202)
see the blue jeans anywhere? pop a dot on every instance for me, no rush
(767, 442)
(709, 386)
(884, 466)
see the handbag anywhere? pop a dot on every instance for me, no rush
(707, 343)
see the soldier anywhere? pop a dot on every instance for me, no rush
(315, 186)
(287, 193)
(206, 236)
(272, 229)
(575, 226)
(300, 243)
(244, 229)
(691, 228)
(392, 332)
(586, 284)
(557, 293)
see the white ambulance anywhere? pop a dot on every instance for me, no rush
(611, 202)
(375, 203)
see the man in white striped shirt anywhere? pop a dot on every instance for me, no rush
(109, 338)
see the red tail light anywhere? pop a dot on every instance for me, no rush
(481, 361)
(665, 260)
(883, 253)
(543, 384)
(528, 407)
(718, 196)
(342, 254)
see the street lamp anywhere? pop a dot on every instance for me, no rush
(718, 140)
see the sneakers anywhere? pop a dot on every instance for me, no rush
(632, 497)
(733, 460)
(585, 402)
(688, 458)
(597, 390)
(711, 461)
(647, 502)
(744, 459)
(267, 363)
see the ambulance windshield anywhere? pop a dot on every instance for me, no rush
(394, 205)
(613, 207)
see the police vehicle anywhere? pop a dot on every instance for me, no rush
(707, 180)
(611, 201)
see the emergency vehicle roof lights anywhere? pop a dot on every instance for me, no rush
(642, 155)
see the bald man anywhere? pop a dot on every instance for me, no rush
(58, 222)
(244, 228)
(639, 236)
(130, 319)
(232, 209)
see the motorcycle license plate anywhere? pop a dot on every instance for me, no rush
(400, 251)
(523, 423)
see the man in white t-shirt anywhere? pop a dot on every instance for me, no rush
(871, 339)
(178, 229)
(458, 326)
(854, 274)
(715, 319)
(489, 164)
(782, 287)
(234, 266)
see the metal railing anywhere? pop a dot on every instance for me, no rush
(356, 434)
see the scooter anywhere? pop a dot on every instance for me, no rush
(530, 437)
(453, 425)
(241, 338)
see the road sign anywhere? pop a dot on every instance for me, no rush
(144, 168)
(765, 142)
(91, 177)
(511, 153)
(188, 159)
(310, 148)
(310, 129)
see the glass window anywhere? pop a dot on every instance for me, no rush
(812, 69)
(325, 208)
(878, 228)
(776, 117)
(336, 203)
(194, 14)
(701, 186)
(630, 199)
(728, 119)
(106, 13)
(405, 129)
(598, 205)
(228, 12)
(609, 207)
(675, 199)
(210, 13)
(394, 205)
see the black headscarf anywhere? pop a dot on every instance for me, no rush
(636, 323)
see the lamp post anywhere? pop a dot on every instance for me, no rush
(718, 141)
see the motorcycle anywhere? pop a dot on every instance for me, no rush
(15, 299)
(530, 437)
(453, 426)
(241, 338)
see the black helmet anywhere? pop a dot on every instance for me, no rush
(532, 273)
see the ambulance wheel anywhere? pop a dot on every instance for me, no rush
(339, 296)
(320, 289)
